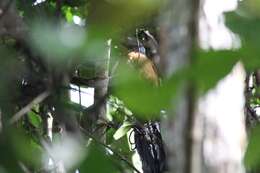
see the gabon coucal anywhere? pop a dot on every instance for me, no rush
(144, 54)
(148, 139)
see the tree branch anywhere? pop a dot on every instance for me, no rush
(28, 107)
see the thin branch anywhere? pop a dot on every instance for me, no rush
(109, 42)
(28, 107)
(113, 70)
(111, 149)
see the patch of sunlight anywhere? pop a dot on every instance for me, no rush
(223, 110)
(257, 110)
(82, 95)
(213, 33)
(78, 21)
(38, 2)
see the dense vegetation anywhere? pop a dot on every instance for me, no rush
(51, 48)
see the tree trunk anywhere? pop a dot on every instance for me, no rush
(100, 83)
(197, 135)
(178, 36)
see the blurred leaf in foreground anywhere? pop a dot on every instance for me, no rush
(252, 157)
(211, 66)
(26, 148)
(110, 16)
(8, 160)
(57, 42)
(97, 161)
(248, 27)
(140, 96)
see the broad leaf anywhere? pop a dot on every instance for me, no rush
(122, 130)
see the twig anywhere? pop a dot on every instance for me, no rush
(113, 70)
(109, 42)
(28, 107)
(111, 149)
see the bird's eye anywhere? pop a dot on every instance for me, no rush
(142, 50)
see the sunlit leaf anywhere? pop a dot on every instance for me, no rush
(117, 111)
(123, 129)
(68, 14)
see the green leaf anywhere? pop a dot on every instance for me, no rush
(34, 119)
(117, 111)
(68, 14)
(122, 130)
(109, 136)
(127, 111)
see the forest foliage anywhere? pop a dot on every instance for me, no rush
(58, 39)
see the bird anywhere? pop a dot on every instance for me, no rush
(146, 67)
(148, 139)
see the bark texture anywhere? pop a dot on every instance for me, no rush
(178, 35)
(98, 109)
